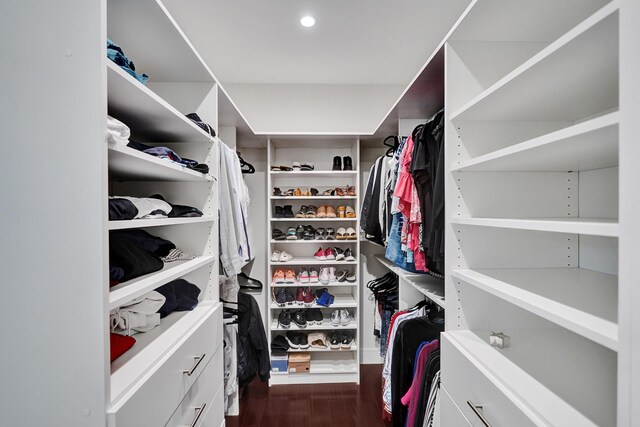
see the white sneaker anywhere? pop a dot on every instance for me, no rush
(332, 274)
(324, 275)
(296, 166)
(313, 275)
(335, 318)
(284, 257)
(276, 256)
(345, 317)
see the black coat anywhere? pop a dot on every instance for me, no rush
(253, 348)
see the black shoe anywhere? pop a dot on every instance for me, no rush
(347, 340)
(284, 319)
(309, 233)
(299, 319)
(288, 212)
(277, 234)
(279, 212)
(293, 338)
(304, 342)
(348, 165)
(281, 297)
(339, 253)
(309, 315)
(335, 340)
(337, 163)
(300, 232)
(348, 255)
(318, 318)
(342, 275)
(289, 296)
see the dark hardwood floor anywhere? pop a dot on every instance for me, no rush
(325, 405)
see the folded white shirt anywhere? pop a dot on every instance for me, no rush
(139, 315)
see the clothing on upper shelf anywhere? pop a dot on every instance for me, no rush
(204, 126)
(180, 295)
(127, 260)
(235, 251)
(138, 315)
(181, 211)
(169, 154)
(404, 202)
(121, 209)
(153, 244)
(119, 344)
(117, 132)
(147, 207)
(116, 54)
(177, 255)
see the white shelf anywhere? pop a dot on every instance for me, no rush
(151, 346)
(340, 301)
(589, 145)
(524, 391)
(314, 285)
(337, 198)
(429, 286)
(157, 222)
(314, 174)
(315, 220)
(159, 28)
(150, 117)
(302, 241)
(562, 82)
(127, 163)
(311, 261)
(583, 301)
(126, 291)
(326, 325)
(573, 225)
(322, 350)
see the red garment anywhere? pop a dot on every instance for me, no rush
(120, 344)
(418, 379)
(404, 185)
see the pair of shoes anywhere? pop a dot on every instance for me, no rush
(346, 234)
(328, 234)
(278, 256)
(281, 276)
(327, 275)
(277, 234)
(345, 276)
(346, 212)
(301, 232)
(314, 316)
(326, 212)
(307, 212)
(285, 211)
(304, 166)
(304, 296)
(325, 254)
(340, 340)
(308, 276)
(284, 297)
(281, 168)
(347, 191)
(323, 297)
(338, 164)
(318, 340)
(297, 340)
(340, 318)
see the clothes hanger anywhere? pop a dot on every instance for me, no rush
(244, 164)
(249, 282)
(392, 148)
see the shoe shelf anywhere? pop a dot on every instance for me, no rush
(157, 222)
(551, 85)
(313, 174)
(321, 350)
(340, 301)
(314, 285)
(551, 293)
(311, 261)
(575, 225)
(126, 291)
(315, 220)
(314, 197)
(326, 325)
(130, 164)
(149, 116)
(320, 242)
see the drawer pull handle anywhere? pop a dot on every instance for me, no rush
(199, 412)
(476, 409)
(195, 366)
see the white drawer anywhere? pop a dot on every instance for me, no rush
(466, 383)
(152, 402)
(203, 406)
(449, 414)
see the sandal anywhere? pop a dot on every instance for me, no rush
(306, 166)
(329, 235)
(320, 233)
(351, 190)
(297, 192)
(290, 192)
(341, 234)
(340, 192)
(350, 212)
(322, 212)
(277, 234)
(277, 191)
(291, 234)
(351, 234)
(331, 212)
(285, 168)
(329, 193)
(341, 212)
(311, 213)
(296, 166)
(309, 233)
(313, 191)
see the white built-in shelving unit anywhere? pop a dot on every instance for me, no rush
(532, 193)
(327, 366)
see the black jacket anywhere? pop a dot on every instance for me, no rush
(253, 348)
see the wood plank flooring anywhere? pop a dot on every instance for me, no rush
(321, 405)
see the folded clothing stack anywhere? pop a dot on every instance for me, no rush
(126, 208)
(133, 253)
(167, 153)
(204, 126)
(117, 132)
(116, 54)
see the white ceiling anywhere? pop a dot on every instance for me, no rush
(341, 76)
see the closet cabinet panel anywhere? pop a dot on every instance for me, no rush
(450, 414)
(174, 374)
(204, 403)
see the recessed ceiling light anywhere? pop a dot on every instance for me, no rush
(308, 21)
